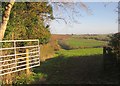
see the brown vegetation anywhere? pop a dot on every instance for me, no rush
(55, 38)
(46, 52)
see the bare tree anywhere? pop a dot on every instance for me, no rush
(69, 8)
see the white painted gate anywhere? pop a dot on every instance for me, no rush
(18, 55)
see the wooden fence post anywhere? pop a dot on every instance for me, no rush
(13, 35)
(27, 62)
(104, 50)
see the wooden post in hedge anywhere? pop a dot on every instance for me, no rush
(13, 35)
(104, 50)
(27, 62)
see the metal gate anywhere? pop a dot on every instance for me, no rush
(18, 55)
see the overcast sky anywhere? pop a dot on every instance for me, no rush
(103, 20)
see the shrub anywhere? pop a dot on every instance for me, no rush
(34, 78)
(47, 51)
(115, 44)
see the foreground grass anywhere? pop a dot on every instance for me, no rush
(77, 70)
(80, 52)
(80, 66)
(73, 70)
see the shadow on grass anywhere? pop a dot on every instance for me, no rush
(77, 70)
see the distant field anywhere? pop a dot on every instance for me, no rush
(100, 37)
(81, 43)
(80, 52)
(77, 43)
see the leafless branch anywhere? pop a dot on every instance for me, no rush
(57, 18)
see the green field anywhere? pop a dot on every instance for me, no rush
(78, 43)
(84, 42)
(80, 52)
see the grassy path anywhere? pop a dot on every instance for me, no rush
(77, 70)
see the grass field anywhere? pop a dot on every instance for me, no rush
(83, 43)
(80, 52)
(79, 41)
(81, 66)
